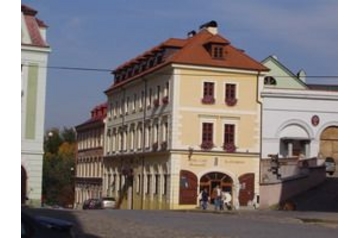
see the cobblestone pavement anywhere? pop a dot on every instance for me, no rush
(193, 224)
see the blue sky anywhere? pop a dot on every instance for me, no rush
(104, 34)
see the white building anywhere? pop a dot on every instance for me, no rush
(298, 119)
(34, 56)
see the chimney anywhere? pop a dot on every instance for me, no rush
(211, 26)
(191, 33)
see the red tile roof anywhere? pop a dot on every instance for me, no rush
(98, 113)
(194, 51)
(33, 25)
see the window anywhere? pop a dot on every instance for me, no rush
(149, 98)
(229, 138)
(148, 183)
(184, 182)
(147, 136)
(138, 183)
(164, 143)
(127, 106)
(125, 136)
(165, 98)
(165, 184)
(120, 140)
(269, 80)
(157, 179)
(207, 136)
(155, 137)
(158, 92)
(132, 139)
(139, 141)
(208, 93)
(141, 101)
(230, 94)
(217, 52)
(134, 104)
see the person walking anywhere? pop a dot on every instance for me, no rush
(204, 199)
(217, 197)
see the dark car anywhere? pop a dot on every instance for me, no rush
(92, 203)
(330, 165)
(44, 227)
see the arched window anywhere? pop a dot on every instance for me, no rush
(269, 80)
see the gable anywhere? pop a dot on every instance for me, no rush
(283, 76)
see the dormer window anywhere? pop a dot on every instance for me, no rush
(217, 52)
(151, 63)
(136, 69)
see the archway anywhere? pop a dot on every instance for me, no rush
(212, 179)
(23, 185)
(329, 143)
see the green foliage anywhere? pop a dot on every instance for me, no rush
(59, 167)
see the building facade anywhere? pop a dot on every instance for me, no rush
(89, 159)
(184, 116)
(299, 120)
(34, 57)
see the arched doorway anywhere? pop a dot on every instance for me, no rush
(23, 185)
(329, 143)
(211, 180)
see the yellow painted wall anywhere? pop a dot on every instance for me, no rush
(192, 112)
(191, 88)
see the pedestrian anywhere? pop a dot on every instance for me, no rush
(222, 199)
(217, 197)
(204, 199)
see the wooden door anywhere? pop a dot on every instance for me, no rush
(188, 187)
(247, 188)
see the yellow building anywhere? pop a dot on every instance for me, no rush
(182, 117)
(89, 156)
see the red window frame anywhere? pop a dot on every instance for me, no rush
(207, 136)
(209, 89)
(229, 134)
(230, 91)
(207, 133)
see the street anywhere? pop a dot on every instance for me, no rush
(136, 223)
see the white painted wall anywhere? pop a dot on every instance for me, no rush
(283, 107)
(32, 149)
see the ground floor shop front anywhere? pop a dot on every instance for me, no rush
(174, 179)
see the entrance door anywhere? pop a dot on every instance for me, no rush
(211, 180)
(247, 188)
(329, 143)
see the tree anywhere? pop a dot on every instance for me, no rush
(59, 167)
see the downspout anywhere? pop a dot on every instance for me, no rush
(258, 99)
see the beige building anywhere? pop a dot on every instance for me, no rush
(184, 116)
(89, 159)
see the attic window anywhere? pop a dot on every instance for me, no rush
(217, 51)
(269, 80)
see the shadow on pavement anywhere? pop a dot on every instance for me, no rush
(323, 198)
(65, 214)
